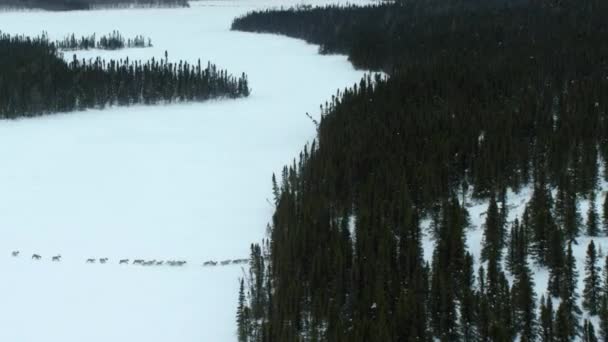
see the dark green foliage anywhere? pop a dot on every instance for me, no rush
(468, 331)
(524, 302)
(568, 314)
(605, 213)
(242, 315)
(490, 94)
(112, 41)
(593, 220)
(546, 320)
(567, 213)
(592, 290)
(542, 225)
(34, 80)
(603, 331)
(493, 237)
(589, 332)
(605, 278)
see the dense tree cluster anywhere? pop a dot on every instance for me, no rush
(68, 5)
(480, 97)
(35, 80)
(112, 41)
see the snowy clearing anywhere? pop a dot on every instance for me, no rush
(182, 182)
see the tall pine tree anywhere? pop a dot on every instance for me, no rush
(592, 289)
(592, 218)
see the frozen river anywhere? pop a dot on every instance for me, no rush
(187, 182)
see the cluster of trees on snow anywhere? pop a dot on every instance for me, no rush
(35, 80)
(481, 97)
(112, 41)
(68, 5)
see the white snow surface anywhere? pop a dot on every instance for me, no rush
(186, 182)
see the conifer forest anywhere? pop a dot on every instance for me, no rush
(405, 170)
(35, 80)
(474, 100)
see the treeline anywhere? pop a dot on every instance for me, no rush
(35, 80)
(112, 41)
(70, 5)
(481, 98)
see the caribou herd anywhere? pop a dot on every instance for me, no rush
(142, 262)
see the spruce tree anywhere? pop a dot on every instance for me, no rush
(541, 222)
(241, 315)
(563, 325)
(467, 303)
(592, 218)
(492, 237)
(603, 316)
(605, 213)
(546, 319)
(589, 332)
(605, 278)
(567, 213)
(524, 302)
(570, 312)
(511, 259)
(556, 264)
(592, 289)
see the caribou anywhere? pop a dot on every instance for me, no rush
(225, 262)
(90, 261)
(103, 260)
(56, 258)
(210, 263)
(15, 253)
(138, 261)
(123, 261)
(36, 257)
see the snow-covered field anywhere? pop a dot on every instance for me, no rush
(186, 182)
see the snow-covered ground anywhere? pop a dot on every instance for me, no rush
(187, 182)
(516, 202)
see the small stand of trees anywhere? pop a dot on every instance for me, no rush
(35, 80)
(112, 41)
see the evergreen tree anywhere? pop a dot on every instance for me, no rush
(605, 213)
(493, 233)
(592, 218)
(524, 302)
(568, 316)
(605, 278)
(546, 319)
(589, 332)
(513, 246)
(563, 326)
(542, 224)
(567, 212)
(556, 264)
(467, 305)
(603, 316)
(242, 315)
(592, 290)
